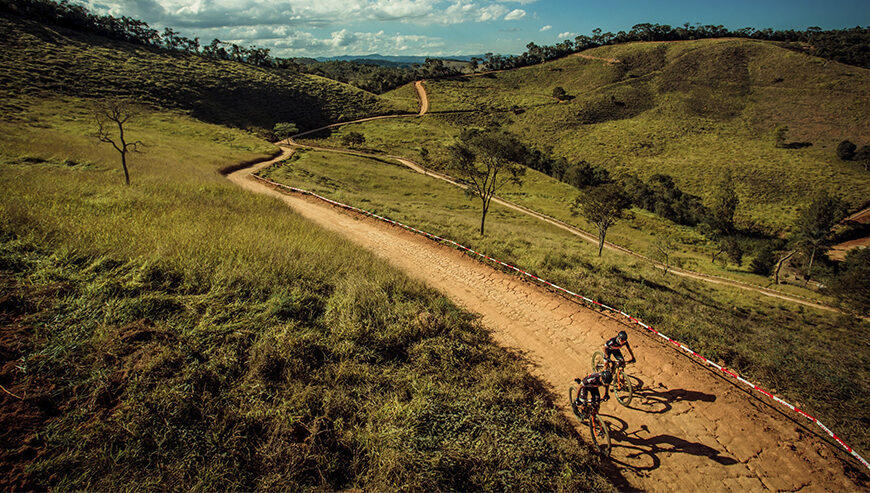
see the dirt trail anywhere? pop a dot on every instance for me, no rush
(424, 98)
(688, 429)
(610, 61)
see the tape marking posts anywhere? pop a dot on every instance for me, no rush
(630, 318)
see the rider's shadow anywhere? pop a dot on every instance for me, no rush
(659, 401)
(637, 446)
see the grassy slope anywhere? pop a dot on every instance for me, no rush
(189, 335)
(542, 193)
(692, 110)
(787, 349)
(236, 94)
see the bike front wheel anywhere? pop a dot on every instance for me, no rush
(622, 388)
(572, 399)
(600, 434)
(599, 362)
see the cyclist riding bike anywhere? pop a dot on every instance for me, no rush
(613, 348)
(589, 386)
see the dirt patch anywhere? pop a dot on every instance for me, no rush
(26, 403)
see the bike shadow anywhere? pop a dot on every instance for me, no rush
(654, 401)
(635, 447)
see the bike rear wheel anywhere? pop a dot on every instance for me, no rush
(622, 388)
(600, 434)
(598, 361)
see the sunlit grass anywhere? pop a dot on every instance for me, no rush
(725, 324)
(197, 336)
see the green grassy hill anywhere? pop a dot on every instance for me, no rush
(183, 334)
(691, 110)
(38, 58)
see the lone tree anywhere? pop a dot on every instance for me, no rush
(284, 130)
(116, 113)
(559, 93)
(811, 233)
(719, 226)
(602, 205)
(488, 160)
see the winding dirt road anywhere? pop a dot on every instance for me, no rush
(688, 429)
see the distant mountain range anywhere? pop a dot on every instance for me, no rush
(393, 60)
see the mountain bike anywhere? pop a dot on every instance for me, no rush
(621, 384)
(587, 412)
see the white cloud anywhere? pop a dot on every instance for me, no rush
(515, 15)
(566, 35)
(546, 28)
(344, 42)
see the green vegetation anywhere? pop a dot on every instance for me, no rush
(181, 333)
(689, 110)
(639, 230)
(39, 59)
(786, 348)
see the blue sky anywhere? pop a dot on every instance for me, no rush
(454, 27)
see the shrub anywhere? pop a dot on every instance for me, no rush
(353, 139)
(846, 150)
(764, 261)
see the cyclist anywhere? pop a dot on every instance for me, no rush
(589, 385)
(612, 348)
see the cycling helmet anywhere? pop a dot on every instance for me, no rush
(607, 376)
(622, 336)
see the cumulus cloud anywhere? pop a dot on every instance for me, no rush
(318, 26)
(515, 14)
(546, 28)
(566, 35)
(342, 42)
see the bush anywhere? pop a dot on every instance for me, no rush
(852, 285)
(846, 150)
(764, 261)
(559, 93)
(353, 139)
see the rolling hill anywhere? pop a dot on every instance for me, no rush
(692, 110)
(38, 58)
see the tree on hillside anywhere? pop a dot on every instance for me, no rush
(719, 227)
(603, 206)
(353, 139)
(811, 233)
(488, 160)
(846, 150)
(764, 260)
(116, 113)
(662, 249)
(852, 285)
(559, 93)
(284, 130)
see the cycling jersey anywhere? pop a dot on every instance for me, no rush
(593, 380)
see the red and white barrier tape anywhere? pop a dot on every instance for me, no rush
(678, 344)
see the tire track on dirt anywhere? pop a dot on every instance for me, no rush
(688, 429)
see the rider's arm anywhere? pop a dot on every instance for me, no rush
(628, 346)
(606, 391)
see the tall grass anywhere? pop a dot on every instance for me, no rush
(198, 337)
(787, 348)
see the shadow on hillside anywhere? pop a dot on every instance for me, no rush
(642, 453)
